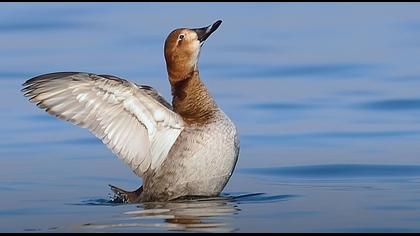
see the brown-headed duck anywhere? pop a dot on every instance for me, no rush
(189, 148)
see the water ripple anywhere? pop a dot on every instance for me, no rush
(260, 198)
(311, 70)
(338, 171)
(280, 106)
(392, 105)
(39, 26)
(75, 141)
(302, 138)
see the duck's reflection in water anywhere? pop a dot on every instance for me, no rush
(205, 214)
(193, 214)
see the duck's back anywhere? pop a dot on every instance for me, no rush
(200, 162)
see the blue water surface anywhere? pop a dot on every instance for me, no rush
(325, 97)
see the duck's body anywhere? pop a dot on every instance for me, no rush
(187, 149)
(200, 162)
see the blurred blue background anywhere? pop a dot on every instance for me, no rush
(329, 89)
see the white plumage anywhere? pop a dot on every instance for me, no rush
(131, 120)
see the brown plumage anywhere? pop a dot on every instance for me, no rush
(192, 100)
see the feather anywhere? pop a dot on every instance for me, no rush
(135, 122)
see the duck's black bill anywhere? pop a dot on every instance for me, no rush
(205, 32)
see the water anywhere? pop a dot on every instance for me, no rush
(325, 97)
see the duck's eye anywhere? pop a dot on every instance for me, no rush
(181, 36)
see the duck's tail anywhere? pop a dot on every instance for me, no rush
(126, 196)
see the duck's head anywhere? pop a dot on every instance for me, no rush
(182, 49)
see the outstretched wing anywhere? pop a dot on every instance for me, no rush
(134, 121)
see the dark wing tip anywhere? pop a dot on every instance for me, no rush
(49, 76)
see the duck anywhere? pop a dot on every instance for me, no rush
(185, 149)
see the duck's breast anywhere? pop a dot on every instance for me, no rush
(202, 159)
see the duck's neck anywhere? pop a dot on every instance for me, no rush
(191, 99)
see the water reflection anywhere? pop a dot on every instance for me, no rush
(208, 214)
(204, 214)
(196, 215)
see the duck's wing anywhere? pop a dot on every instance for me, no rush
(135, 122)
(149, 90)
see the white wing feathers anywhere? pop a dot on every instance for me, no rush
(133, 121)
